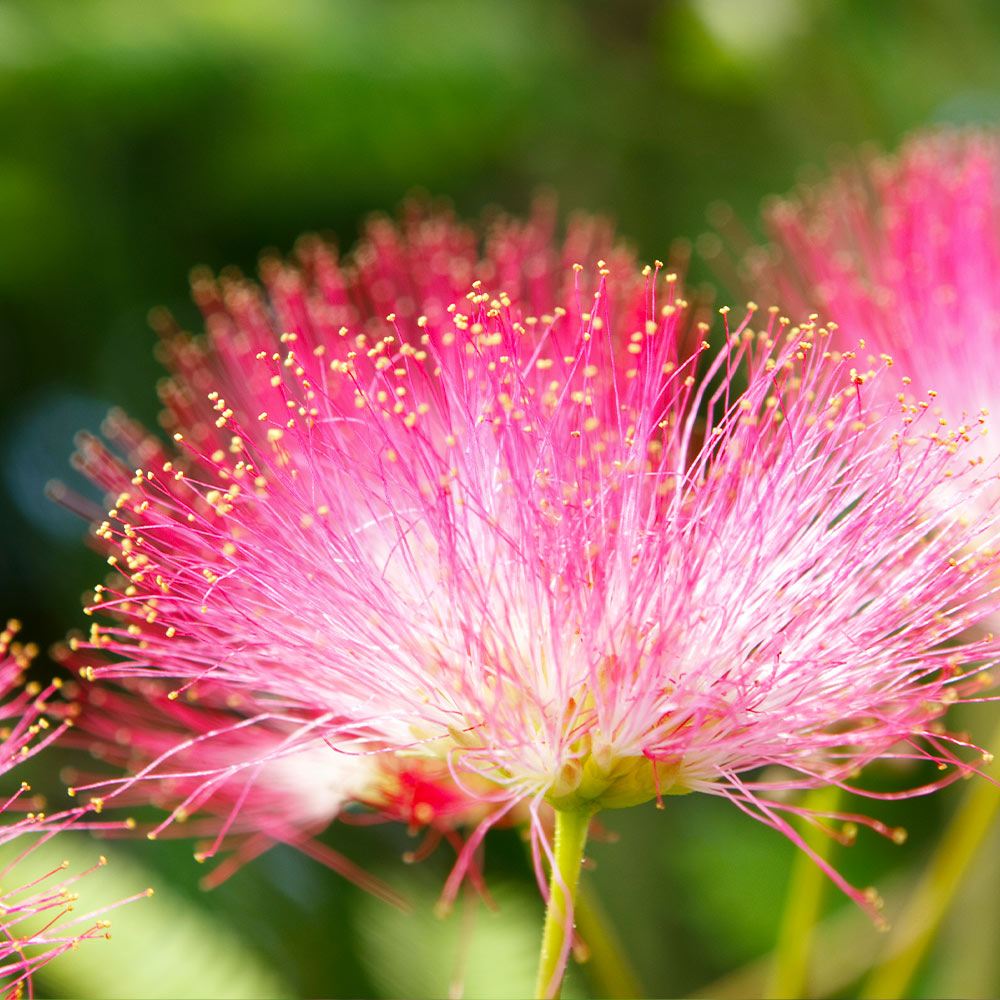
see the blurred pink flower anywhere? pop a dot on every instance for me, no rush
(903, 250)
(35, 925)
(499, 516)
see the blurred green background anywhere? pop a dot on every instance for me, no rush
(140, 139)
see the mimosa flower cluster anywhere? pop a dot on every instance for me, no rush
(528, 521)
(36, 924)
(904, 248)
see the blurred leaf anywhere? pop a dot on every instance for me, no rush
(472, 953)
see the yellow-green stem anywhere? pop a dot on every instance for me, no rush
(608, 970)
(572, 826)
(936, 890)
(790, 970)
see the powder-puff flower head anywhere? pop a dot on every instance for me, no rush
(560, 551)
(35, 921)
(902, 249)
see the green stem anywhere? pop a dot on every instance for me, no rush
(790, 969)
(572, 826)
(936, 890)
(608, 970)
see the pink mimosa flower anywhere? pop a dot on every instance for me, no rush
(903, 250)
(542, 541)
(35, 921)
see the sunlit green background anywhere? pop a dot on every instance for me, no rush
(139, 139)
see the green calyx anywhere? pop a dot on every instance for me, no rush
(601, 781)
